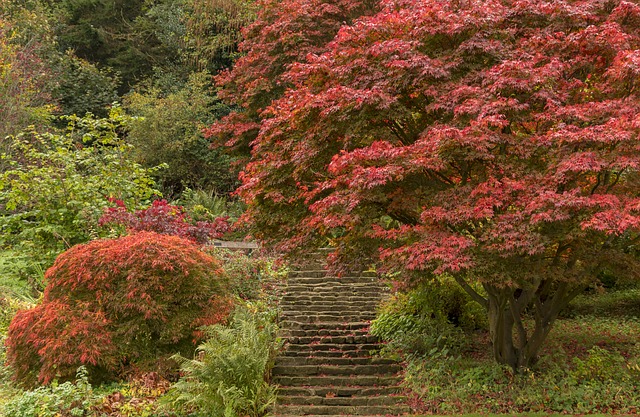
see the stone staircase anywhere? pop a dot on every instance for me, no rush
(328, 365)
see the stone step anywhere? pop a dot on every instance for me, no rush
(326, 309)
(286, 333)
(335, 286)
(327, 415)
(329, 354)
(340, 391)
(305, 340)
(344, 410)
(329, 298)
(338, 317)
(301, 325)
(341, 401)
(304, 360)
(338, 381)
(370, 304)
(333, 347)
(309, 370)
(344, 282)
(319, 272)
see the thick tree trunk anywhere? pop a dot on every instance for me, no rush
(520, 319)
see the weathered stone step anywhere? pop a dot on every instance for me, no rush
(326, 309)
(327, 317)
(302, 361)
(329, 298)
(329, 354)
(324, 273)
(336, 370)
(300, 325)
(341, 401)
(332, 347)
(344, 410)
(333, 286)
(332, 339)
(340, 391)
(336, 281)
(370, 303)
(322, 332)
(338, 381)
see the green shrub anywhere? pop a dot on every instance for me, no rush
(169, 130)
(207, 205)
(601, 364)
(590, 366)
(432, 317)
(114, 303)
(58, 400)
(228, 377)
(56, 186)
(250, 277)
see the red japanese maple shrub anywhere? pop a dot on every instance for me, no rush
(166, 219)
(113, 303)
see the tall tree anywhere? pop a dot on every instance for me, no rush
(285, 32)
(496, 141)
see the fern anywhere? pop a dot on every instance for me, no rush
(228, 376)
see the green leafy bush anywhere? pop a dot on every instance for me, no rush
(251, 277)
(429, 318)
(227, 378)
(116, 303)
(55, 187)
(83, 88)
(58, 400)
(169, 130)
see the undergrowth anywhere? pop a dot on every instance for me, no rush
(227, 377)
(591, 364)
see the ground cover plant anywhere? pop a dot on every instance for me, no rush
(494, 141)
(589, 365)
(229, 375)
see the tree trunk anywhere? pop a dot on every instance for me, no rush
(520, 319)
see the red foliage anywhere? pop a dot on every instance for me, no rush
(496, 141)
(116, 302)
(286, 32)
(166, 219)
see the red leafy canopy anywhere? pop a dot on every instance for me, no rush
(285, 33)
(116, 302)
(166, 219)
(457, 136)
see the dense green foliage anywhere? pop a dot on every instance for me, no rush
(54, 186)
(57, 400)
(169, 130)
(227, 378)
(114, 303)
(435, 317)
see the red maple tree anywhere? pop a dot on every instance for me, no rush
(495, 141)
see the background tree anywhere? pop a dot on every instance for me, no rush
(25, 93)
(495, 141)
(169, 130)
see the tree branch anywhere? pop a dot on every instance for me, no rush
(473, 293)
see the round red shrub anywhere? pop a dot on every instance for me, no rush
(113, 303)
